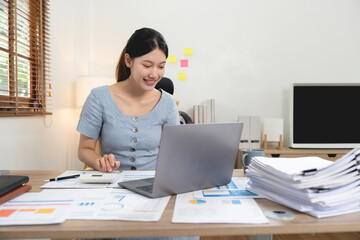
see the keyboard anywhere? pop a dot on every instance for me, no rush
(149, 180)
(146, 188)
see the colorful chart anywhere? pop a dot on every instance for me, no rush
(86, 204)
(119, 197)
(197, 201)
(112, 206)
(45, 210)
(235, 201)
(8, 212)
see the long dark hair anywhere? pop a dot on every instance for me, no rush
(142, 42)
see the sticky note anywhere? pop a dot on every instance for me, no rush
(172, 59)
(182, 76)
(188, 51)
(184, 63)
(46, 210)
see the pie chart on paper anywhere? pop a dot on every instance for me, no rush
(197, 201)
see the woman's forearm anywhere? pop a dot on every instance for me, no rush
(89, 157)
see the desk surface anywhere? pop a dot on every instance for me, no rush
(110, 229)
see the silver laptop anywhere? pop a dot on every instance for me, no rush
(191, 157)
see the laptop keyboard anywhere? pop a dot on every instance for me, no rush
(146, 188)
(149, 180)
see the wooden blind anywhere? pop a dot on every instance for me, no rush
(25, 87)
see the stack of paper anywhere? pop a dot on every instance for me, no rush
(312, 185)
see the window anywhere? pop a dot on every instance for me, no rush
(25, 86)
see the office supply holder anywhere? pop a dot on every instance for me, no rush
(279, 143)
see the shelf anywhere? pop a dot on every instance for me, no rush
(286, 152)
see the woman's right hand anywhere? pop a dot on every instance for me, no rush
(88, 155)
(107, 163)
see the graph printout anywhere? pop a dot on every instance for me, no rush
(122, 204)
(34, 209)
(235, 189)
(112, 204)
(216, 210)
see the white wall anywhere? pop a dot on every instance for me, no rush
(245, 55)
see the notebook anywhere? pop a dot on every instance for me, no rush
(191, 157)
(10, 182)
(14, 193)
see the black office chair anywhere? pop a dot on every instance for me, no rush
(167, 85)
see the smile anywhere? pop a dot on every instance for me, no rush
(150, 82)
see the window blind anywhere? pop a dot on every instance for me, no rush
(25, 87)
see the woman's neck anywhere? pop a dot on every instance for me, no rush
(133, 90)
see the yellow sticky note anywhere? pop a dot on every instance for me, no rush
(188, 51)
(172, 59)
(182, 76)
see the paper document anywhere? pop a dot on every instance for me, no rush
(2, 172)
(132, 175)
(87, 202)
(216, 210)
(34, 209)
(75, 182)
(289, 168)
(122, 204)
(235, 189)
(112, 204)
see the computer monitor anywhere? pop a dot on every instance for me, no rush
(325, 115)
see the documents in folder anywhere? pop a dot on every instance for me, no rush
(312, 185)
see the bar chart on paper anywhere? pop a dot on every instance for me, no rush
(32, 208)
(197, 201)
(236, 188)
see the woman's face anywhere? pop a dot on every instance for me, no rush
(147, 70)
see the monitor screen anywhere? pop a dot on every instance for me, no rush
(325, 115)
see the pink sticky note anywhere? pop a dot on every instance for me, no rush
(184, 63)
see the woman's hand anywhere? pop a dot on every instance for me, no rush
(107, 163)
(87, 154)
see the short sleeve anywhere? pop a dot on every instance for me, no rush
(173, 116)
(91, 119)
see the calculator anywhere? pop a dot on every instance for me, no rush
(99, 177)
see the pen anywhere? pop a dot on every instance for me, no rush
(62, 178)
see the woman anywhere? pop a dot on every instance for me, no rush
(128, 116)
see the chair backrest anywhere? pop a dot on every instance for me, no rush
(167, 85)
